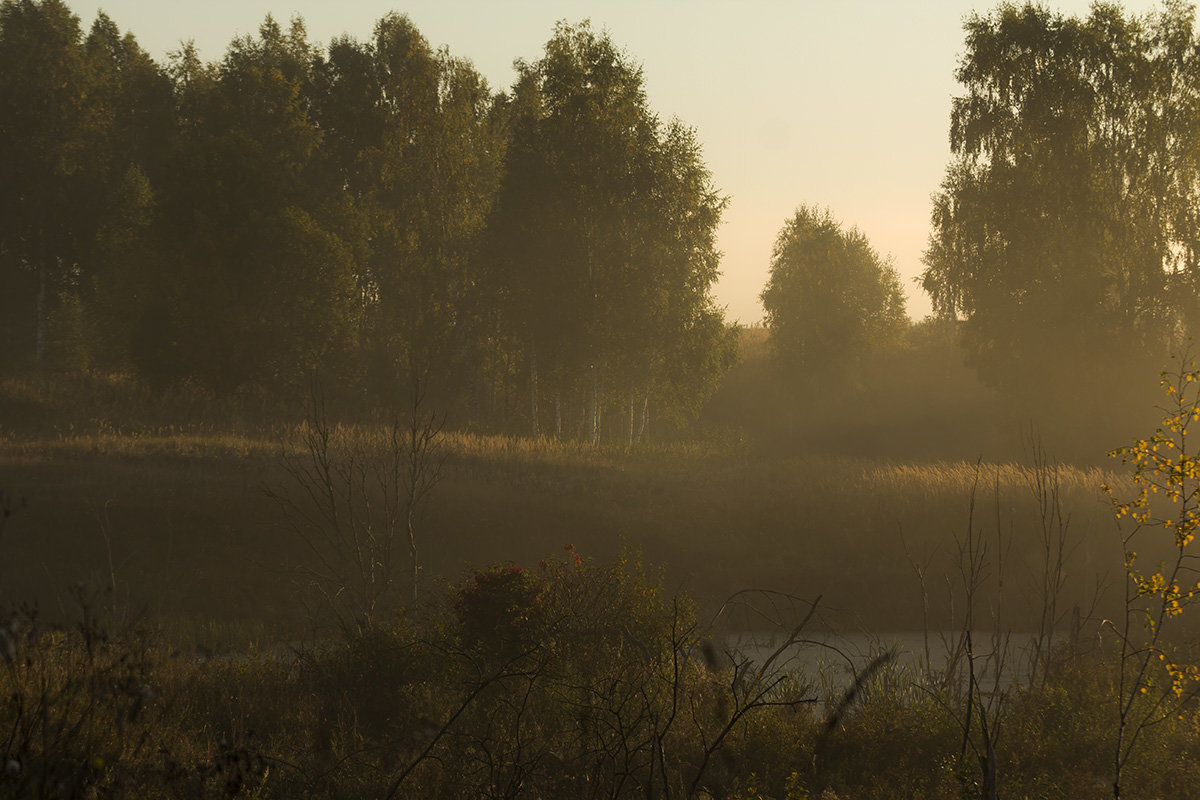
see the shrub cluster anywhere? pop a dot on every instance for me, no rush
(569, 680)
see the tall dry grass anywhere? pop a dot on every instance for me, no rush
(112, 471)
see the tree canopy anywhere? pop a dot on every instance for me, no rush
(368, 211)
(603, 241)
(1066, 227)
(830, 299)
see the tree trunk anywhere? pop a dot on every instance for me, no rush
(598, 394)
(585, 411)
(594, 424)
(491, 410)
(412, 551)
(39, 340)
(631, 426)
(533, 392)
(594, 408)
(557, 414)
(645, 416)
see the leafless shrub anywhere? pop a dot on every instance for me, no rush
(354, 498)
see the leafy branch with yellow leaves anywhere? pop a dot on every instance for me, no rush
(1152, 687)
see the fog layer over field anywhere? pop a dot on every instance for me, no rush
(353, 404)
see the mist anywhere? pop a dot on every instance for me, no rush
(368, 430)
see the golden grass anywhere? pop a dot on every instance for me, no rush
(815, 474)
(208, 443)
(171, 445)
(942, 477)
(718, 516)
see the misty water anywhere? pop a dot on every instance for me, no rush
(830, 661)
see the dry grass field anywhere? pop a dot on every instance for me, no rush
(182, 523)
(120, 513)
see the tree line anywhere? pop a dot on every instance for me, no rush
(371, 212)
(374, 213)
(1064, 253)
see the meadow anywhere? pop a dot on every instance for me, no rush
(575, 606)
(182, 522)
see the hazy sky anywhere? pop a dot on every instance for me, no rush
(842, 104)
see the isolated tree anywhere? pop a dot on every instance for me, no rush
(830, 299)
(1065, 227)
(1159, 679)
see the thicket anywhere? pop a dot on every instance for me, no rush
(568, 680)
(371, 212)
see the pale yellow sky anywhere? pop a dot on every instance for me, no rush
(840, 104)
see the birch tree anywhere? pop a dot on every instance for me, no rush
(602, 241)
(1065, 228)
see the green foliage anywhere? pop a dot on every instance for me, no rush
(67, 345)
(416, 138)
(259, 233)
(602, 244)
(293, 209)
(830, 300)
(1064, 233)
(499, 610)
(86, 120)
(48, 129)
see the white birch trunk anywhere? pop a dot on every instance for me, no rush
(557, 414)
(533, 392)
(39, 342)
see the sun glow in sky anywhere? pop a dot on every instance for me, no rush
(839, 104)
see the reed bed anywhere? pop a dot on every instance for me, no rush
(717, 514)
(703, 461)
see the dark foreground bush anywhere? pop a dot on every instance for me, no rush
(572, 680)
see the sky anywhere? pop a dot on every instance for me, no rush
(843, 105)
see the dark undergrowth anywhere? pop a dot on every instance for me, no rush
(570, 680)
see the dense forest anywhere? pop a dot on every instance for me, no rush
(371, 212)
(303, 350)
(373, 216)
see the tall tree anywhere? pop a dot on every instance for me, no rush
(129, 164)
(1065, 228)
(830, 299)
(413, 136)
(263, 278)
(48, 127)
(671, 340)
(601, 243)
